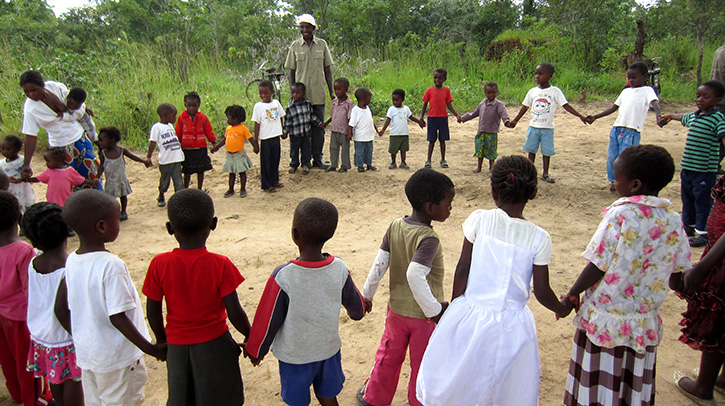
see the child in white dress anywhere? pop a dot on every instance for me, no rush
(484, 350)
(12, 165)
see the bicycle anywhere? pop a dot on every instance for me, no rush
(653, 79)
(270, 74)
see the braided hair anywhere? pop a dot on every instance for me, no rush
(514, 179)
(44, 226)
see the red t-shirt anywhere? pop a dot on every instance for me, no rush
(194, 283)
(194, 133)
(437, 100)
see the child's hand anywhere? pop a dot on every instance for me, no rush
(590, 119)
(90, 112)
(159, 351)
(368, 305)
(349, 137)
(214, 149)
(14, 180)
(437, 318)
(147, 163)
(421, 123)
(322, 125)
(662, 121)
(256, 150)
(511, 124)
(584, 120)
(458, 119)
(284, 136)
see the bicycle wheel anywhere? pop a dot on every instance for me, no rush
(253, 94)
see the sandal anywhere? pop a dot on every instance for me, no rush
(277, 185)
(242, 193)
(699, 240)
(679, 376)
(548, 179)
(444, 164)
(427, 165)
(270, 190)
(229, 193)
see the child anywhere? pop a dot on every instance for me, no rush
(114, 166)
(490, 112)
(52, 354)
(15, 255)
(98, 299)
(4, 181)
(171, 155)
(237, 161)
(299, 119)
(639, 245)
(412, 250)
(700, 158)
(267, 117)
(484, 350)
(362, 130)
(635, 101)
(77, 111)
(339, 130)
(299, 312)
(439, 98)
(397, 117)
(194, 129)
(200, 291)
(543, 100)
(59, 177)
(12, 165)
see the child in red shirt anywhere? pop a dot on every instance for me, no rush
(439, 98)
(194, 129)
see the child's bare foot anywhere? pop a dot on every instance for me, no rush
(477, 170)
(612, 187)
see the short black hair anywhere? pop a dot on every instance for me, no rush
(14, 141)
(717, 87)
(112, 132)
(491, 85)
(514, 179)
(86, 207)
(4, 180)
(237, 112)
(316, 220)
(442, 72)
(361, 92)
(57, 153)
(343, 82)
(44, 226)
(9, 210)
(641, 67)
(165, 108)
(549, 67)
(651, 164)
(77, 94)
(399, 92)
(194, 96)
(266, 84)
(190, 211)
(427, 186)
(299, 86)
(32, 76)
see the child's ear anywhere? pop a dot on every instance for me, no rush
(169, 228)
(213, 224)
(295, 234)
(637, 187)
(533, 195)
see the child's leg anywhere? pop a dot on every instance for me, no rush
(345, 161)
(443, 150)
(359, 146)
(420, 332)
(306, 151)
(431, 146)
(275, 155)
(200, 179)
(165, 179)
(612, 151)
(532, 157)
(368, 154)
(444, 135)
(703, 386)
(327, 401)
(335, 144)
(14, 346)
(294, 151)
(491, 162)
(187, 180)
(232, 178)
(176, 176)
(68, 393)
(402, 157)
(392, 158)
(546, 160)
(243, 181)
(702, 192)
(478, 168)
(124, 203)
(432, 135)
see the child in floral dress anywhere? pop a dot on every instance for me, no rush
(639, 246)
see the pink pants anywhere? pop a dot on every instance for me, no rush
(400, 332)
(14, 347)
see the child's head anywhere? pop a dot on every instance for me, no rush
(314, 222)
(637, 74)
(11, 146)
(430, 192)
(643, 170)
(266, 90)
(94, 215)
(709, 95)
(44, 226)
(4, 180)
(76, 97)
(398, 97)
(235, 114)
(439, 76)
(192, 101)
(297, 91)
(108, 137)
(166, 112)
(543, 74)
(33, 84)
(340, 87)
(490, 89)
(55, 157)
(10, 214)
(513, 180)
(191, 213)
(363, 95)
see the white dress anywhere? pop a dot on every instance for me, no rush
(484, 349)
(23, 191)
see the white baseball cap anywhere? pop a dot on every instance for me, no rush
(306, 18)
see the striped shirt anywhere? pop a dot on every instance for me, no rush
(702, 145)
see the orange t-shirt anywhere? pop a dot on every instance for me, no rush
(236, 135)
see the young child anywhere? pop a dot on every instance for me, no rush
(237, 161)
(362, 130)
(484, 350)
(77, 111)
(439, 98)
(639, 245)
(339, 129)
(113, 165)
(397, 117)
(12, 165)
(412, 250)
(298, 122)
(199, 288)
(59, 177)
(171, 156)
(15, 256)
(543, 100)
(700, 158)
(299, 312)
(490, 112)
(267, 116)
(98, 299)
(194, 129)
(52, 354)
(4, 181)
(635, 101)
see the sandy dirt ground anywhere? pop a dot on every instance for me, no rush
(255, 233)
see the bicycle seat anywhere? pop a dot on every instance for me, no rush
(654, 71)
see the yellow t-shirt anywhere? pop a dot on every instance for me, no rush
(235, 137)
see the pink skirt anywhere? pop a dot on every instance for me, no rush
(58, 364)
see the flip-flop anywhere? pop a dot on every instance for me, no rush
(679, 376)
(548, 179)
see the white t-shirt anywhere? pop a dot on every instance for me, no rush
(269, 116)
(542, 103)
(169, 146)
(633, 105)
(100, 286)
(361, 121)
(44, 327)
(37, 114)
(399, 119)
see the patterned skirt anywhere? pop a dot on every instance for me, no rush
(486, 145)
(58, 364)
(82, 157)
(609, 376)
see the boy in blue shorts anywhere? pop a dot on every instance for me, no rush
(543, 100)
(299, 312)
(439, 98)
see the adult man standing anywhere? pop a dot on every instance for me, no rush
(309, 61)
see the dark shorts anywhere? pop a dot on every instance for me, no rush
(196, 160)
(325, 376)
(438, 129)
(399, 143)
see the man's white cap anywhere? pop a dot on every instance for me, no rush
(306, 18)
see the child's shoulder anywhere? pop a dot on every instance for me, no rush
(19, 246)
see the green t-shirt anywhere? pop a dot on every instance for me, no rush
(702, 146)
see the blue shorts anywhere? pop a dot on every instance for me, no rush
(325, 376)
(438, 129)
(543, 136)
